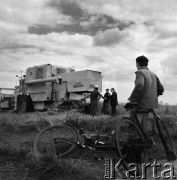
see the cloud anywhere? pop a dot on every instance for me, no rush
(68, 8)
(97, 59)
(26, 50)
(169, 82)
(102, 22)
(17, 16)
(165, 30)
(169, 65)
(139, 11)
(110, 37)
(89, 24)
(113, 69)
(102, 35)
(81, 21)
(169, 68)
(50, 42)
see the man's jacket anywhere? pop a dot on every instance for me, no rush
(95, 95)
(147, 89)
(106, 98)
(113, 99)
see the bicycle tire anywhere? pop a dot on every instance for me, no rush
(166, 140)
(130, 142)
(57, 140)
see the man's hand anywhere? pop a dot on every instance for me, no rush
(126, 106)
(129, 105)
(102, 96)
(160, 88)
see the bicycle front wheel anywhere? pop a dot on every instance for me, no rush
(130, 142)
(58, 140)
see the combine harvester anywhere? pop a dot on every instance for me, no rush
(49, 87)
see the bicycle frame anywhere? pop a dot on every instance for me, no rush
(95, 144)
(133, 112)
(148, 137)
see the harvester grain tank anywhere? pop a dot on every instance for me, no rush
(49, 87)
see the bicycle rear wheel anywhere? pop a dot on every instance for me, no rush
(58, 140)
(130, 142)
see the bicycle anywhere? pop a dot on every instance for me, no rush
(63, 140)
(128, 141)
(135, 146)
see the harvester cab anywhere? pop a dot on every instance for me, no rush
(49, 87)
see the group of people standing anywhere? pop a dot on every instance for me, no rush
(109, 100)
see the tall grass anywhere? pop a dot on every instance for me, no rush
(48, 168)
(18, 131)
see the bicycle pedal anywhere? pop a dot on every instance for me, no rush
(100, 142)
(97, 158)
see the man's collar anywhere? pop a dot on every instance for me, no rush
(144, 67)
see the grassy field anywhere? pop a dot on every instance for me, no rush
(18, 131)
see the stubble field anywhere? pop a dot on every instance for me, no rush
(18, 131)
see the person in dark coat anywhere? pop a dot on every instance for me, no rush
(113, 101)
(106, 102)
(94, 98)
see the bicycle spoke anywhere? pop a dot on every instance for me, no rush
(56, 141)
(130, 142)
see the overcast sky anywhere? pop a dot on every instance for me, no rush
(103, 35)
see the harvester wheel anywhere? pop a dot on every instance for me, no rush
(24, 103)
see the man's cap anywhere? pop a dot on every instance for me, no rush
(107, 89)
(96, 86)
(142, 59)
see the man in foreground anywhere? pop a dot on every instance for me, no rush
(146, 91)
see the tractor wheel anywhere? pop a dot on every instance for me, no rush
(24, 103)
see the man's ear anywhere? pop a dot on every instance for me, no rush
(137, 65)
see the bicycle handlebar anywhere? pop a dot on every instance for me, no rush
(134, 106)
(130, 105)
